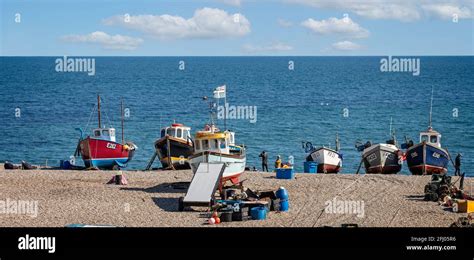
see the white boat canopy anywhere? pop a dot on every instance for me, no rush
(431, 137)
(177, 131)
(104, 134)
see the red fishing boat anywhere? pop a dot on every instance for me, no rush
(101, 150)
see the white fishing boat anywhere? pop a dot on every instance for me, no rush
(212, 145)
(328, 160)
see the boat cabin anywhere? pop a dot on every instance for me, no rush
(178, 131)
(107, 134)
(431, 137)
(213, 142)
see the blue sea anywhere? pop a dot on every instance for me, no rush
(304, 104)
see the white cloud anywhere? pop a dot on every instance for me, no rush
(275, 47)
(403, 10)
(344, 26)
(206, 23)
(114, 42)
(345, 46)
(284, 23)
(231, 2)
(448, 10)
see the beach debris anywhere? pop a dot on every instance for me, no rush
(439, 187)
(464, 222)
(27, 166)
(118, 179)
(10, 166)
(349, 225)
(211, 221)
(463, 206)
(234, 208)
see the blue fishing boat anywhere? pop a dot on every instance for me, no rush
(427, 157)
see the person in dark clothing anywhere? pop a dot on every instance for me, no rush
(264, 157)
(457, 165)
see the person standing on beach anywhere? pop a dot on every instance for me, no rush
(264, 157)
(278, 162)
(457, 165)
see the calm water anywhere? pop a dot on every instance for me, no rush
(292, 106)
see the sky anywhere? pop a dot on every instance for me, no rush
(236, 27)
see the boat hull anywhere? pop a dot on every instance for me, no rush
(381, 158)
(104, 154)
(176, 156)
(425, 158)
(235, 164)
(328, 160)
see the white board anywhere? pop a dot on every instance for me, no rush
(204, 183)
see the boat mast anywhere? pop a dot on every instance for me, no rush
(390, 126)
(337, 142)
(225, 109)
(121, 109)
(431, 108)
(98, 108)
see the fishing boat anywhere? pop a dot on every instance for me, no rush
(328, 160)
(384, 158)
(101, 150)
(174, 146)
(213, 145)
(427, 157)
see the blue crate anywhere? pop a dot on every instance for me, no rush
(285, 173)
(310, 167)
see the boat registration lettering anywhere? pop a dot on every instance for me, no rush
(371, 157)
(388, 155)
(111, 146)
(413, 155)
(436, 155)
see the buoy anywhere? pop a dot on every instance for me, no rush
(212, 221)
(217, 220)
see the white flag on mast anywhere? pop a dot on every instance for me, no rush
(219, 92)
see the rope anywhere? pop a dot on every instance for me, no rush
(106, 115)
(403, 203)
(90, 117)
(337, 195)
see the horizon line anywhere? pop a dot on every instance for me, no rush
(251, 56)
